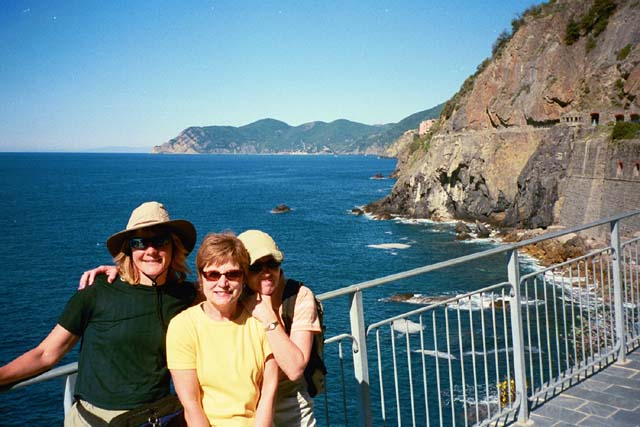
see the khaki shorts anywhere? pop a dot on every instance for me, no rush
(294, 409)
(73, 418)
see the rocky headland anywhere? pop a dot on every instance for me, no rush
(528, 141)
(270, 136)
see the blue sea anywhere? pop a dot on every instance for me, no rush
(56, 211)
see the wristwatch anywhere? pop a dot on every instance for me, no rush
(271, 325)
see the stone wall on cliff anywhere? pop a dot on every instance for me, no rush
(501, 153)
(602, 179)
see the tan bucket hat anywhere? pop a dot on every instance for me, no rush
(259, 244)
(150, 214)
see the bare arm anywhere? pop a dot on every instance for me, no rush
(187, 387)
(88, 277)
(265, 409)
(41, 358)
(291, 353)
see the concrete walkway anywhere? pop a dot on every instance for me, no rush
(610, 398)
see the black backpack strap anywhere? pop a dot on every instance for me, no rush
(291, 289)
(91, 418)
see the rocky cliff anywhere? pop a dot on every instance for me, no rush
(517, 144)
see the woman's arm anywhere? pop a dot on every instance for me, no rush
(41, 358)
(185, 381)
(291, 353)
(265, 409)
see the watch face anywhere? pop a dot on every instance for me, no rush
(271, 326)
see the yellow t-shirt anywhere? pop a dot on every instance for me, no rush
(229, 359)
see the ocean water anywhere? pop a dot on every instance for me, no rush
(56, 211)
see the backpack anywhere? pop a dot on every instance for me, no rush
(316, 370)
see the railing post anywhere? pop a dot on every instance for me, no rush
(518, 337)
(618, 307)
(69, 387)
(360, 361)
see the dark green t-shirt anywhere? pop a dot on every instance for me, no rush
(122, 361)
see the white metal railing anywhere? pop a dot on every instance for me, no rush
(483, 357)
(539, 332)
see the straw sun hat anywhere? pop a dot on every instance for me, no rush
(151, 214)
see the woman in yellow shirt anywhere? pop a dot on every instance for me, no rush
(222, 366)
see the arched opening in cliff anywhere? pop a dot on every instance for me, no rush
(619, 117)
(635, 118)
(595, 119)
(619, 169)
(636, 169)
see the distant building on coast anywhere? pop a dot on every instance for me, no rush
(425, 125)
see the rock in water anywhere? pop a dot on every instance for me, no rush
(481, 230)
(281, 209)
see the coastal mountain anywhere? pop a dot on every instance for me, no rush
(270, 136)
(545, 132)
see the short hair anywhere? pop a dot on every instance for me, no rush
(178, 268)
(218, 248)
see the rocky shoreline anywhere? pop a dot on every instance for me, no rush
(546, 253)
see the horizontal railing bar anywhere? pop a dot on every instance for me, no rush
(409, 273)
(504, 413)
(354, 344)
(60, 371)
(463, 259)
(435, 305)
(631, 241)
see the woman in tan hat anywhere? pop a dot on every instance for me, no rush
(122, 324)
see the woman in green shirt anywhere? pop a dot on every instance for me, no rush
(122, 362)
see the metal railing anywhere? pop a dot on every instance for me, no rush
(491, 355)
(483, 357)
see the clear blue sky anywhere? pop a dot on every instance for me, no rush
(80, 74)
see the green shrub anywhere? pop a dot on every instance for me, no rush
(591, 44)
(572, 33)
(423, 142)
(500, 43)
(623, 53)
(619, 85)
(593, 23)
(625, 130)
(597, 18)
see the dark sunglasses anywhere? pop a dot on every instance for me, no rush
(214, 275)
(257, 266)
(145, 242)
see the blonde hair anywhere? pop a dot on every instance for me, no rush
(177, 270)
(218, 248)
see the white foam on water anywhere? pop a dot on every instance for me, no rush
(390, 246)
(438, 354)
(406, 326)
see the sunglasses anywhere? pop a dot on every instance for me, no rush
(257, 266)
(214, 275)
(145, 242)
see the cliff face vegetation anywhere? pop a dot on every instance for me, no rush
(527, 141)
